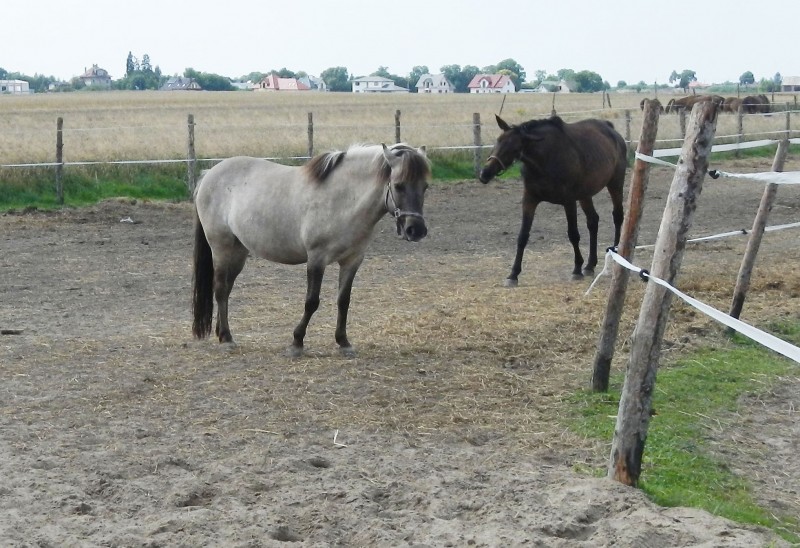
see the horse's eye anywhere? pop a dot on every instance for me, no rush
(400, 187)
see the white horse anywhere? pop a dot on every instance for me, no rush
(319, 213)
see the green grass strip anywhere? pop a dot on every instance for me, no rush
(678, 467)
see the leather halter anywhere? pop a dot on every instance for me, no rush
(395, 211)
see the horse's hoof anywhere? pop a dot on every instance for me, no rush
(577, 276)
(510, 282)
(588, 271)
(347, 351)
(295, 351)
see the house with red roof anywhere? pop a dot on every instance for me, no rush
(491, 83)
(273, 82)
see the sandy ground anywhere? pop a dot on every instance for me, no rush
(447, 429)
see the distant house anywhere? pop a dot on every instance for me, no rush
(181, 83)
(15, 87)
(314, 83)
(491, 83)
(552, 86)
(273, 82)
(96, 77)
(434, 83)
(790, 83)
(376, 84)
(244, 86)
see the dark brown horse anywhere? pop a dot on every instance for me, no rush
(562, 164)
(755, 104)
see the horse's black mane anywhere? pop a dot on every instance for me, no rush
(531, 125)
(415, 167)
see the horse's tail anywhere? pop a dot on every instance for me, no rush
(670, 105)
(202, 283)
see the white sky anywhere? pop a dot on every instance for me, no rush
(618, 39)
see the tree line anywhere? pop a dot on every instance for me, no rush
(142, 75)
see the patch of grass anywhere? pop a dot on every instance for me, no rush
(678, 467)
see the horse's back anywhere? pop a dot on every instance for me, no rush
(256, 203)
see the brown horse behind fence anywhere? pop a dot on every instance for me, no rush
(563, 164)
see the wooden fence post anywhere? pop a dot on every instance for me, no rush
(477, 151)
(397, 126)
(60, 161)
(627, 243)
(310, 134)
(739, 129)
(682, 118)
(191, 175)
(754, 242)
(628, 129)
(635, 406)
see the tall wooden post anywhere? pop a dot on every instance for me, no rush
(635, 406)
(397, 126)
(739, 129)
(627, 242)
(60, 161)
(759, 224)
(310, 135)
(191, 164)
(682, 118)
(476, 142)
(628, 129)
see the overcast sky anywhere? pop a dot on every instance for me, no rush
(631, 40)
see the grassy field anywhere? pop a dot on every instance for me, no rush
(116, 126)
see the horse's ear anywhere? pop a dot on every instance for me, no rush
(423, 150)
(502, 123)
(391, 159)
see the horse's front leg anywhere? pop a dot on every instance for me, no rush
(571, 210)
(592, 223)
(314, 274)
(347, 273)
(528, 210)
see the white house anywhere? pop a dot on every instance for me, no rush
(790, 83)
(552, 86)
(434, 83)
(491, 83)
(376, 84)
(15, 87)
(96, 77)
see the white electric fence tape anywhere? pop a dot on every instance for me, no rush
(775, 177)
(770, 341)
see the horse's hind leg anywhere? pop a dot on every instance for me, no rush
(574, 235)
(314, 274)
(347, 273)
(592, 223)
(225, 272)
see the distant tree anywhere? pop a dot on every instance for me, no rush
(336, 79)
(541, 76)
(515, 71)
(622, 84)
(587, 82)
(254, 77)
(568, 75)
(383, 72)
(146, 66)
(130, 64)
(778, 79)
(459, 77)
(284, 73)
(683, 79)
(210, 81)
(747, 78)
(416, 73)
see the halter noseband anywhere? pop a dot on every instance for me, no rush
(499, 161)
(395, 211)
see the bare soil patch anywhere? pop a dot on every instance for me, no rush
(447, 429)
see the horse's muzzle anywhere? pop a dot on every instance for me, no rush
(414, 229)
(487, 174)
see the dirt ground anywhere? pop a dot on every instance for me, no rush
(447, 429)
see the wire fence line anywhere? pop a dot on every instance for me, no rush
(473, 138)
